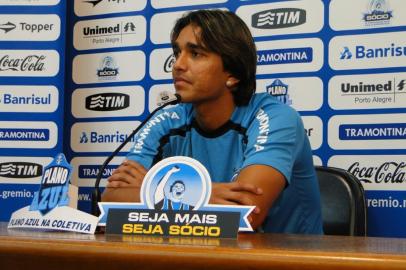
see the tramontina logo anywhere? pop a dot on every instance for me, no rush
(285, 56)
(108, 69)
(169, 62)
(377, 13)
(107, 102)
(7, 27)
(279, 18)
(279, 90)
(20, 170)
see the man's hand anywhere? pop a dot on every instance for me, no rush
(235, 193)
(125, 183)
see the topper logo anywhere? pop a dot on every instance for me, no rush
(20, 170)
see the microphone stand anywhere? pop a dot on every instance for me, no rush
(96, 196)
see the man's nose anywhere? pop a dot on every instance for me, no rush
(180, 62)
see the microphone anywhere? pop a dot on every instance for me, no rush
(96, 196)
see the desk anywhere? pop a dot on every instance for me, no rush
(61, 250)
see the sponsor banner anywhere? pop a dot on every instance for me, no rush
(97, 7)
(314, 130)
(291, 91)
(27, 134)
(22, 170)
(85, 170)
(28, 98)
(29, 2)
(108, 102)
(29, 63)
(110, 33)
(101, 136)
(352, 15)
(317, 161)
(29, 27)
(367, 91)
(161, 26)
(369, 131)
(368, 51)
(161, 62)
(376, 172)
(158, 93)
(282, 18)
(293, 55)
(178, 3)
(127, 66)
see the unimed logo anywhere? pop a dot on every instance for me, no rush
(279, 18)
(20, 170)
(285, 56)
(396, 131)
(22, 134)
(107, 102)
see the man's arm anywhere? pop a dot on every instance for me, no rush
(257, 185)
(125, 183)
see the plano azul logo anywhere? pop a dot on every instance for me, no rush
(279, 90)
(54, 186)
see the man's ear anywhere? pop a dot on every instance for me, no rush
(232, 82)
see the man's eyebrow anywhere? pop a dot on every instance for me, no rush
(190, 46)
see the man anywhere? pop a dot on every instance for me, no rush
(254, 147)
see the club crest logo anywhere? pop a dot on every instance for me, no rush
(179, 185)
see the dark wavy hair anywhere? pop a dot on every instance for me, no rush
(226, 34)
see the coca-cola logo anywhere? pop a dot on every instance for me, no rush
(168, 65)
(28, 63)
(388, 172)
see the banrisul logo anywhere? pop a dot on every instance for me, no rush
(279, 18)
(378, 13)
(99, 137)
(107, 102)
(285, 56)
(279, 90)
(54, 187)
(395, 131)
(20, 170)
(364, 52)
(23, 134)
(108, 69)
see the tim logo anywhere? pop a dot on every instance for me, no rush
(169, 62)
(345, 54)
(7, 27)
(28, 63)
(378, 13)
(107, 102)
(279, 18)
(20, 170)
(108, 69)
(279, 90)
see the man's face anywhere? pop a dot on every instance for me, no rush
(178, 191)
(198, 74)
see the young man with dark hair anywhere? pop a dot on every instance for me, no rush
(254, 147)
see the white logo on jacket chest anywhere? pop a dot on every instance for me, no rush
(263, 130)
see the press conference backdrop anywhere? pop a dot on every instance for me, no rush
(340, 63)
